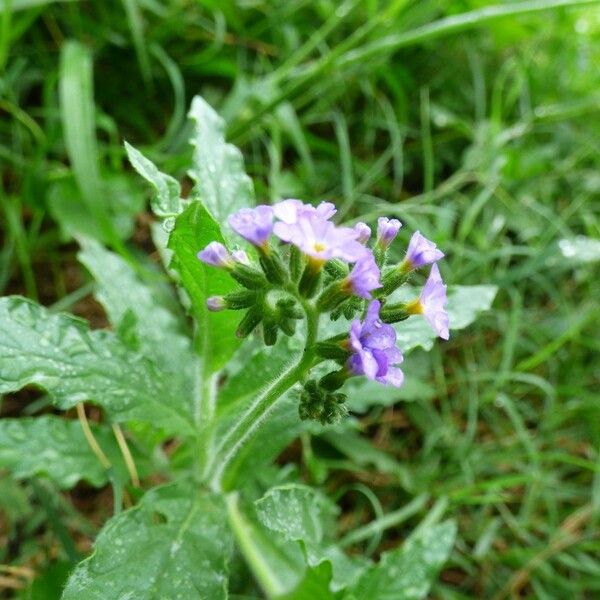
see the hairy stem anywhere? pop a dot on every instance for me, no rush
(263, 403)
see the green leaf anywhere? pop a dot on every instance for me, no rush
(277, 564)
(194, 230)
(218, 171)
(315, 585)
(167, 198)
(408, 572)
(580, 249)
(173, 545)
(296, 511)
(56, 448)
(301, 514)
(93, 209)
(144, 308)
(59, 353)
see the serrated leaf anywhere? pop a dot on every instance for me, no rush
(408, 572)
(166, 201)
(173, 545)
(218, 170)
(194, 230)
(60, 354)
(55, 448)
(145, 309)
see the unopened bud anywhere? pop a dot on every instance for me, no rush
(311, 278)
(216, 303)
(250, 321)
(249, 276)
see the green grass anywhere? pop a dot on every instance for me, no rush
(480, 130)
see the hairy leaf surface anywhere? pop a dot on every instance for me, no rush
(173, 545)
(166, 201)
(60, 354)
(144, 310)
(194, 229)
(56, 448)
(218, 171)
(408, 572)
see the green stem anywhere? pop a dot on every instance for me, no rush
(263, 404)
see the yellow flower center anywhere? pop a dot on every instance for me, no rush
(318, 247)
(415, 307)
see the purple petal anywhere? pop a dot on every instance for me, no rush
(422, 251)
(215, 254)
(253, 224)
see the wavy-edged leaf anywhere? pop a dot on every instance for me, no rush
(306, 519)
(173, 545)
(218, 171)
(144, 310)
(408, 572)
(53, 447)
(60, 354)
(166, 201)
(194, 229)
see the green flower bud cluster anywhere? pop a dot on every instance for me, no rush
(320, 404)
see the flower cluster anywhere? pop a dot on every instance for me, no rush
(306, 266)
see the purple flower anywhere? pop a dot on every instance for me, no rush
(387, 230)
(420, 252)
(363, 232)
(431, 303)
(321, 239)
(217, 255)
(374, 351)
(253, 224)
(364, 277)
(216, 303)
(290, 211)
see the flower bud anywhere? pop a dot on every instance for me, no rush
(395, 313)
(216, 303)
(272, 265)
(333, 348)
(334, 381)
(289, 307)
(241, 299)
(250, 321)
(270, 328)
(311, 277)
(387, 230)
(332, 296)
(296, 262)
(249, 276)
(288, 326)
(392, 279)
(336, 268)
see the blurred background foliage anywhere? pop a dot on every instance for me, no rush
(476, 123)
